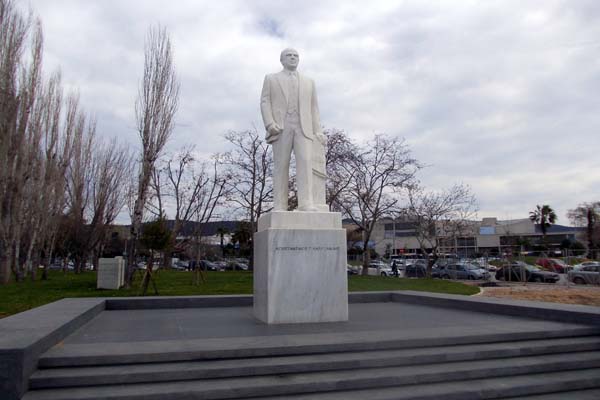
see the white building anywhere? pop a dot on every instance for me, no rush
(488, 236)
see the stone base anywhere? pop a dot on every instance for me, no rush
(300, 268)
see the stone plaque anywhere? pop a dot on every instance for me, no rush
(111, 273)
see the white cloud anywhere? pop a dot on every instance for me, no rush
(502, 95)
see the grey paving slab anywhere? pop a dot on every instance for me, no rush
(224, 322)
(24, 336)
(533, 309)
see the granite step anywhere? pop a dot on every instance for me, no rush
(97, 354)
(565, 385)
(590, 394)
(186, 370)
(421, 377)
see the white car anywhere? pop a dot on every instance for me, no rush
(587, 264)
(484, 265)
(379, 268)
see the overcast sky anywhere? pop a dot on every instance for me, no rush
(501, 95)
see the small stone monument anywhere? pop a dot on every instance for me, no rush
(299, 256)
(111, 273)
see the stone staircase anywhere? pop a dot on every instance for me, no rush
(536, 365)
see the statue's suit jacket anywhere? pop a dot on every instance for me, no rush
(274, 103)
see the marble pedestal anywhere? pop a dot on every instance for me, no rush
(300, 268)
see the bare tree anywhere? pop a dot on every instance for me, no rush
(46, 186)
(47, 156)
(20, 81)
(155, 112)
(439, 215)
(250, 170)
(212, 192)
(155, 201)
(79, 183)
(379, 170)
(588, 215)
(250, 167)
(194, 188)
(111, 169)
(57, 151)
(339, 154)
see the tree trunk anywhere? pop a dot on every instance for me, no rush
(16, 265)
(28, 258)
(5, 261)
(366, 254)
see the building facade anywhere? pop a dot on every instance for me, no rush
(488, 236)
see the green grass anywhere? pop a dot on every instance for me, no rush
(17, 297)
(359, 283)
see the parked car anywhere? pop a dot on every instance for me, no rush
(419, 270)
(206, 265)
(463, 271)
(59, 264)
(353, 269)
(142, 265)
(553, 264)
(587, 264)
(585, 274)
(181, 265)
(380, 268)
(442, 262)
(483, 264)
(519, 271)
(415, 271)
(237, 266)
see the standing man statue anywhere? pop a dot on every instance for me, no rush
(290, 112)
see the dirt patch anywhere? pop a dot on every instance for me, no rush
(568, 295)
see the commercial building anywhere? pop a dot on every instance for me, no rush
(486, 237)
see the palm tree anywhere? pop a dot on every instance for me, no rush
(222, 231)
(544, 216)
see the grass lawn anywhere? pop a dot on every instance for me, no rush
(17, 297)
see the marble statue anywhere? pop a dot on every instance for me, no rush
(290, 112)
(300, 271)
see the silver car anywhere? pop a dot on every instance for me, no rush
(464, 271)
(585, 274)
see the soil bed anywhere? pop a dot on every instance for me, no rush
(568, 295)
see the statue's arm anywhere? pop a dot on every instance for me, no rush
(265, 104)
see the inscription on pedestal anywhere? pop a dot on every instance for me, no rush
(307, 248)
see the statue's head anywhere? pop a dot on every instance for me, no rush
(289, 59)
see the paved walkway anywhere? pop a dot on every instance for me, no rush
(231, 322)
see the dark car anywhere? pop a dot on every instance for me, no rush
(415, 271)
(520, 272)
(419, 270)
(204, 265)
